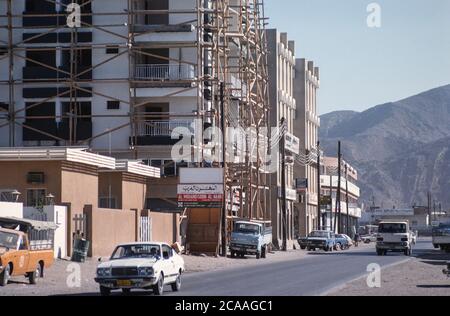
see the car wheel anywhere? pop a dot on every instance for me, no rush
(233, 254)
(5, 275)
(436, 246)
(105, 291)
(263, 252)
(34, 276)
(176, 286)
(302, 247)
(126, 291)
(158, 288)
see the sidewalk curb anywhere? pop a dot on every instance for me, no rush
(341, 286)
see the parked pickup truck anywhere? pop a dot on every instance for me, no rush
(321, 239)
(394, 236)
(26, 248)
(250, 238)
(441, 236)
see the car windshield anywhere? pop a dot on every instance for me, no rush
(136, 251)
(8, 240)
(319, 234)
(392, 228)
(246, 228)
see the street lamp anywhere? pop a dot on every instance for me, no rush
(15, 195)
(50, 198)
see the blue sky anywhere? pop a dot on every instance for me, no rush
(360, 66)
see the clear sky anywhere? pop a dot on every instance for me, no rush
(360, 66)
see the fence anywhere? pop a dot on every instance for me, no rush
(145, 229)
(161, 128)
(171, 72)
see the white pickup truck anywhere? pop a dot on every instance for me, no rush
(394, 236)
(441, 236)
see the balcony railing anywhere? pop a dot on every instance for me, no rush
(161, 128)
(171, 72)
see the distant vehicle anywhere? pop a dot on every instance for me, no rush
(369, 238)
(24, 251)
(343, 242)
(250, 237)
(441, 237)
(394, 236)
(147, 266)
(321, 239)
(303, 242)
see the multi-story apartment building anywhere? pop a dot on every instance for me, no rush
(128, 75)
(283, 107)
(350, 210)
(306, 128)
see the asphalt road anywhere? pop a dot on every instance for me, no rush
(314, 275)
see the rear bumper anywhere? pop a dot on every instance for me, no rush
(393, 246)
(126, 282)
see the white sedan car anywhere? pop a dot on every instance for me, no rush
(147, 266)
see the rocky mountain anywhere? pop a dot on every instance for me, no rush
(401, 149)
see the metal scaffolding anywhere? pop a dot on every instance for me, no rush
(230, 82)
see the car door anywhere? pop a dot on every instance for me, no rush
(22, 257)
(169, 264)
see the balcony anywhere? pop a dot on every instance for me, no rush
(162, 73)
(163, 76)
(152, 133)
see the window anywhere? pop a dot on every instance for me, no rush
(35, 177)
(169, 168)
(83, 57)
(113, 105)
(39, 6)
(157, 19)
(167, 252)
(106, 202)
(36, 197)
(82, 109)
(112, 49)
(37, 58)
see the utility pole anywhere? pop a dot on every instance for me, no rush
(224, 207)
(283, 186)
(429, 206)
(346, 200)
(331, 201)
(339, 188)
(319, 215)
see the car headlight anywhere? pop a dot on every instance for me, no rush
(104, 271)
(145, 271)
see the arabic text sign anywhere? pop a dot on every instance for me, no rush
(196, 189)
(200, 195)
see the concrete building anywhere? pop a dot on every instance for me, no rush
(350, 211)
(306, 128)
(283, 106)
(130, 73)
(104, 197)
(418, 217)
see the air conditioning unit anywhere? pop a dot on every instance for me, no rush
(35, 178)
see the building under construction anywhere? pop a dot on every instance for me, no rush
(122, 77)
